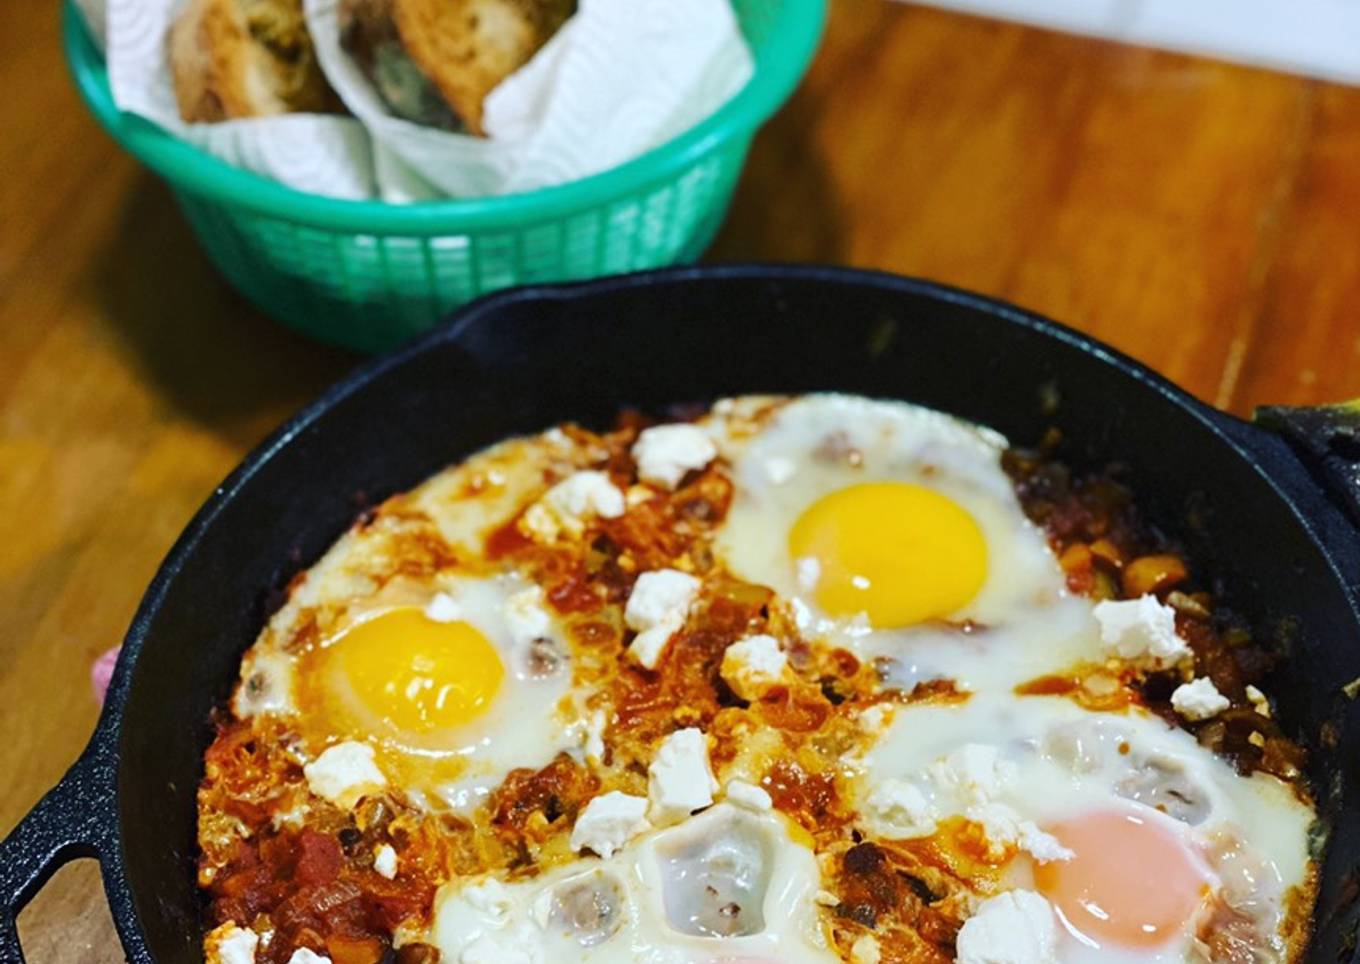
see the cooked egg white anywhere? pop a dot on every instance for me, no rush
(727, 885)
(452, 693)
(455, 510)
(893, 531)
(1156, 827)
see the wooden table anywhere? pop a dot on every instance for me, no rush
(1200, 216)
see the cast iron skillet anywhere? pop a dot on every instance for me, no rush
(1237, 494)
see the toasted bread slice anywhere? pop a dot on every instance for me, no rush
(369, 34)
(467, 47)
(246, 58)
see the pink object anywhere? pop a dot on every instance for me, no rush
(102, 671)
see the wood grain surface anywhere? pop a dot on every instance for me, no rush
(1203, 217)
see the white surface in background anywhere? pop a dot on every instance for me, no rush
(1315, 37)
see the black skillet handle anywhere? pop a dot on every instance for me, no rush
(1327, 437)
(75, 819)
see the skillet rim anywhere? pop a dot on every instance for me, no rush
(99, 763)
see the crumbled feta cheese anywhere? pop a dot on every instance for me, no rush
(779, 469)
(230, 944)
(680, 779)
(568, 505)
(648, 645)
(1199, 700)
(1140, 630)
(1043, 847)
(974, 772)
(809, 572)
(525, 616)
(344, 774)
(664, 454)
(304, 956)
(657, 608)
(748, 795)
(1016, 927)
(385, 861)
(901, 809)
(608, 822)
(1005, 828)
(443, 608)
(1000, 826)
(1258, 701)
(292, 817)
(865, 950)
(659, 597)
(594, 736)
(584, 494)
(753, 664)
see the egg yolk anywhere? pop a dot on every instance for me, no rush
(416, 674)
(899, 553)
(1132, 883)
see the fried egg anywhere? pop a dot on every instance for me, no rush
(729, 885)
(1134, 834)
(453, 687)
(893, 531)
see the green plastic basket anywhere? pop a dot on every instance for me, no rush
(367, 274)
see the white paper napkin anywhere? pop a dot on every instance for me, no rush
(621, 77)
